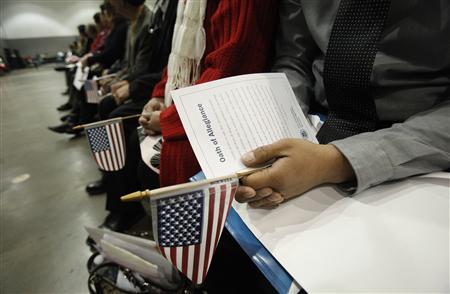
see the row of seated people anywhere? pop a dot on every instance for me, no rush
(136, 47)
(101, 45)
(379, 71)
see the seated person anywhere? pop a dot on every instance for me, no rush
(81, 45)
(148, 50)
(383, 76)
(102, 29)
(333, 62)
(78, 48)
(227, 53)
(114, 47)
(96, 46)
(233, 30)
(113, 50)
(91, 32)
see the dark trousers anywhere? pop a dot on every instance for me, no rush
(70, 75)
(124, 181)
(82, 112)
(232, 271)
(108, 108)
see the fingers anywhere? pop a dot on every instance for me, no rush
(149, 108)
(143, 120)
(121, 94)
(114, 88)
(273, 200)
(155, 104)
(264, 153)
(150, 123)
(117, 99)
(117, 85)
(261, 179)
(263, 198)
(154, 123)
(244, 193)
(146, 114)
(150, 132)
(250, 195)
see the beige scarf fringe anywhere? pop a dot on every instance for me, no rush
(188, 46)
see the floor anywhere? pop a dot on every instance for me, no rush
(43, 205)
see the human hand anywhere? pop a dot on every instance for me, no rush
(84, 60)
(72, 59)
(105, 85)
(300, 166)
(149, 118)
(120, 91)
(115, 86)
(122, 94)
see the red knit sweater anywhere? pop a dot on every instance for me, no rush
(239, 36)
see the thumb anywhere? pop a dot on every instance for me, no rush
(261, 154)
(142, 120)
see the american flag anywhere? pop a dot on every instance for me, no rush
(107, 144)
(91, 89)
(189, 225)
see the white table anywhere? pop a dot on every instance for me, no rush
(390, 238)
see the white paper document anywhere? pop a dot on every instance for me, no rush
(392, 238)
(138, 254)
(81, 76)
(224, 119)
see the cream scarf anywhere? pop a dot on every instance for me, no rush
(188, 46)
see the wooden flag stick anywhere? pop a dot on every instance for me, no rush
(105, 121)
(139, 195)
(105, 77)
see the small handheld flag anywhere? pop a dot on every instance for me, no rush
(188, 223)
(107, 143)
(91, 89)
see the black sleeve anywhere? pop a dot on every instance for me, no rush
(143, 57)
(153, 60)
(114, 47)
(141, 88)
(117, 66)
(87, 46)
(146, 45)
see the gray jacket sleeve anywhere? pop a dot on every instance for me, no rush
(144, 53)
(419, 145)
(295, 51)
